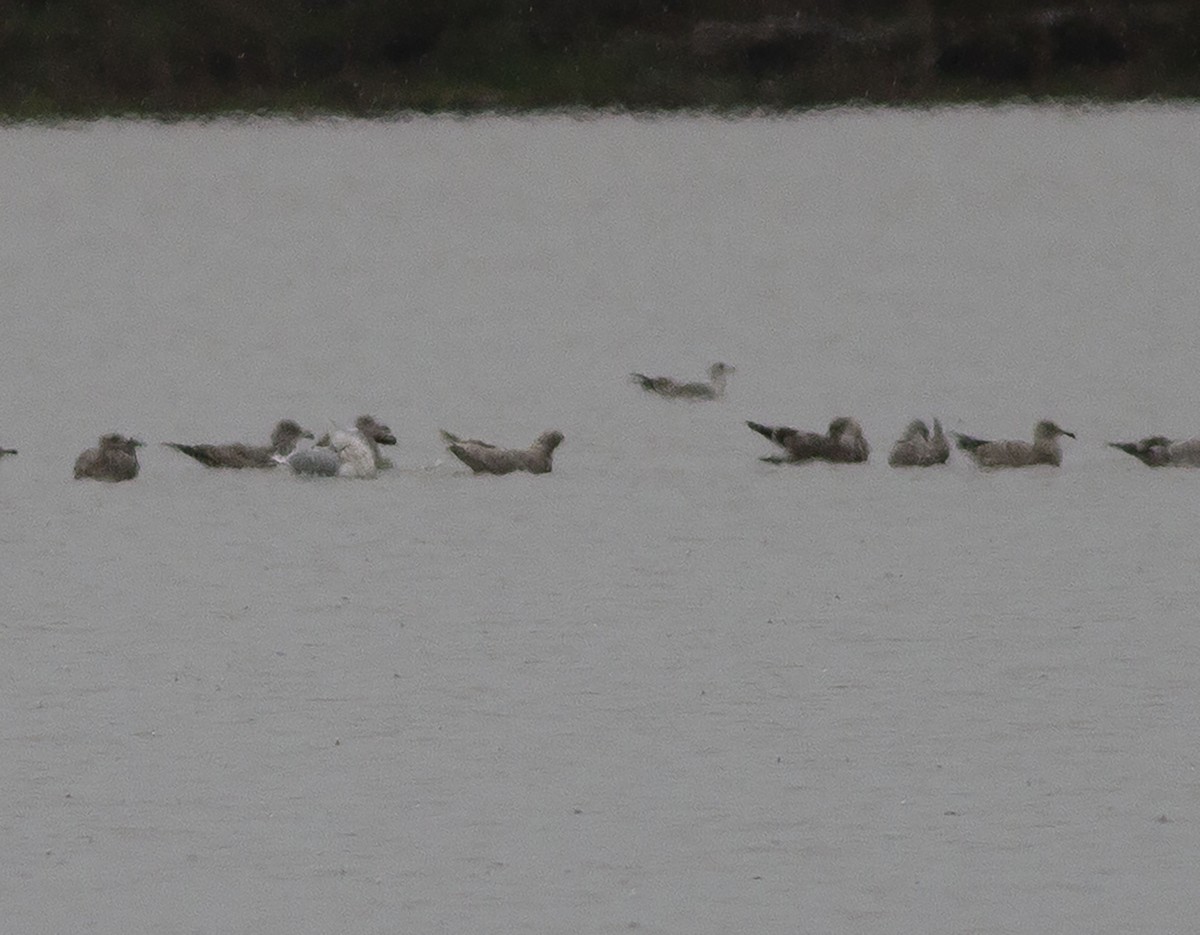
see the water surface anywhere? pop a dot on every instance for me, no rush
(667, 687)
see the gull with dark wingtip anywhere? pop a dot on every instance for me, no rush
(843, 443)
(1159, 451)
(1044, 449)
(484, 458)
(237, 455)
(673, 389)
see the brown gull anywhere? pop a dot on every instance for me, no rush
(1158, 451)
(484, 458)
(842, 444)
(1044, 449)
(114, 459)
(672, 389)
(918, 448)
(237, 455)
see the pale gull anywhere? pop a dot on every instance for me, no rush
(114, 459)
(1158, 451)
(355, 455)
(918, 448)
(376, 434)
(237, 455)
(484, 458)
(842, 444)
(322, 460)
(1044, 449)
(665, 386)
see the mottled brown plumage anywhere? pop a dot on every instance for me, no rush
(918, 448)
(842, 444)
(1044, 449)
(114, 459)
(237, 455)
(484, 458)
(1159, 451)
(672, 389)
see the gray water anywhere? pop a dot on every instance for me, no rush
(667, 688)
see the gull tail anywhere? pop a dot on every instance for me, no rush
(199, 452)
(765, 430)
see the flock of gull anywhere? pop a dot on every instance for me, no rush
(843, 441)
(342, 453)
(356, 452)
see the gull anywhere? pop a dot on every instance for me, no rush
(7, 451)
(355, 456)
(665, 386)
(1158, 451)
(376, 434)
(843, 444)
(322, 460)
(114, 459)
(237, 455)
(1044, 449)
(484, 458)
(917, 448)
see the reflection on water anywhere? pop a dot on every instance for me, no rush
(666, 686)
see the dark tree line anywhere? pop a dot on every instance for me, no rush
(176, 57)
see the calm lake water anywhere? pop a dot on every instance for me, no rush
(667, 688)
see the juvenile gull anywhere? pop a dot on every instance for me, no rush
(484, 458)
(237, 455)
(842, 444)
(1044, 449)
(1158, 451)
(114, 459)
(665, 386)
(917, 448)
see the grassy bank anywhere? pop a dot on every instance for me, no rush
(366, 57)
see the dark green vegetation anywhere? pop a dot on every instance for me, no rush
(166, 58)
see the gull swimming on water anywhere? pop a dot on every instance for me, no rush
(115, 459)
(1158, 451)
(7, 451)
(1044, 449)
(665, 386)
(842, 444)
(376, 434)
(348, 454)
(322, 460)
(237, 455)
(484, 458)
(342, 453)
(917, 448)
